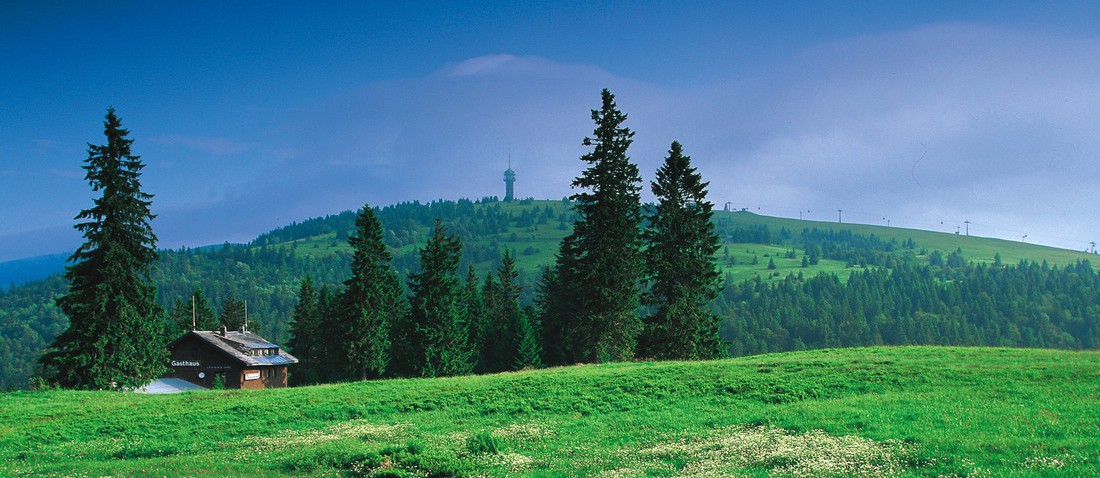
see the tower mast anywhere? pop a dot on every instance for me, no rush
(509, 181)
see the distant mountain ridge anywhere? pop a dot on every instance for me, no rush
(30, 269)
(21, 271)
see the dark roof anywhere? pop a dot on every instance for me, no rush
(239, 344)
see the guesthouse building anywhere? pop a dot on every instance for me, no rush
(238, 359)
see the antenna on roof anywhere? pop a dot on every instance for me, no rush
(245, 326)
(193, 313)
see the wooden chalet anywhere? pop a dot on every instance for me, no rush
(240, 358)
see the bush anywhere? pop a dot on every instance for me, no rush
(483, 442)
(333, 456)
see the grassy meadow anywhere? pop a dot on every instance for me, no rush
(974, 247)
(870, 412)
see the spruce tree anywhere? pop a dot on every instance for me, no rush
(233, 313)
(528, 348)
(472, 304)
(202, 313)
(178, 320)
(304, 330)
(114, 339)
(682, 272)
(439, 331)
(499, 345)
(600, 264)
(554, 311)
(332, 362)
(373, 299)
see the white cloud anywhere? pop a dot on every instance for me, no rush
(478, 65)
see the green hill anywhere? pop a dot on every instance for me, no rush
(975, 248)
(870, 412)
(537, 226)
(1037, 296)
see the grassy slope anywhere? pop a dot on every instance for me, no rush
(979, 249)
(545, 239)
(915, 411)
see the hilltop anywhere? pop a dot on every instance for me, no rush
(877, 412)
(534, 228)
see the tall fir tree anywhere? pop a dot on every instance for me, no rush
(304, 340)
(439, 330)
(681, 268)
(498, 348)
(472, 304)
(554, 310)
(202, 313)
(528, 348)
(178, 319)
(599, 265)
(233, 313)
(331, 359)
(114, 339)
(373, 300)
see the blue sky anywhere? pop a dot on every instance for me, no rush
(923, 114)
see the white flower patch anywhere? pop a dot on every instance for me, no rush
(522, 432)
(513, 462)
(292, 439)
(1049, 462)
(812, 454)
(619, 473)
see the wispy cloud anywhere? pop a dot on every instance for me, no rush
(486, 64)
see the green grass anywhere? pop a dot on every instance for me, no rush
(912, 411)
(743, 256)
(975, 248)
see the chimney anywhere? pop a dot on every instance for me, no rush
(223, 331)
(242, 329)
